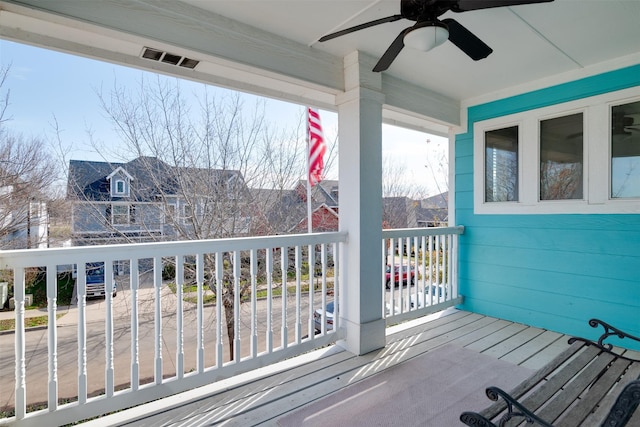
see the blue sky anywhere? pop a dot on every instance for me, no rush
(48, 86)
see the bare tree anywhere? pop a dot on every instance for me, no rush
(26, 173)
(194, 163)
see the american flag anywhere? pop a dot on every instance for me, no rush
(317, 147)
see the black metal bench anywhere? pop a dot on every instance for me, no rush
(587, 385)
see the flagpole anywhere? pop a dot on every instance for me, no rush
(309, 215)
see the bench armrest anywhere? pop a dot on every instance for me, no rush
(514, 409)
(609, 331)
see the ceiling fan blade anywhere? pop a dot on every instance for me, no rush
(467, 41)
(465, 5)
(391, 53)
(360, 27)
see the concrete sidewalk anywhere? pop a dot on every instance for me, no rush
(34, 312)
(67, 314)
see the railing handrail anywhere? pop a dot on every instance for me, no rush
(21, 258)
(421, 231)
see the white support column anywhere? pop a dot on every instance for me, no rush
(360, 172)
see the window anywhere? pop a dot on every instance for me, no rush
(120, 214)
(561, 158)
(581, 156)
(132, 214)
(170, 213)
(120, 188)
(188, 214)
(501, 165)
(625, 150)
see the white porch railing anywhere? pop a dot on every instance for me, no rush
(151, 341)
(419, 273)
(166, 331)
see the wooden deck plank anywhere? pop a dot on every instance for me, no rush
(487, 342)
(273, 395)
(383, 360)
(288, 391)
(538, 360)
(514, 342)
(520, 355)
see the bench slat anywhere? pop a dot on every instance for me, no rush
(555, 383)
(590, 383)
(589, 400)
(601, 413)
(494, 410)
(575, 387)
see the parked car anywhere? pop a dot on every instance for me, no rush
(421, 299)
(95, 281)
(319, 314)
(408, 275)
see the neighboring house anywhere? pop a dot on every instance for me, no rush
(323, 219)
(24, 221)
(403, 212)
(143, 200)
(433, 211)
(286, 210)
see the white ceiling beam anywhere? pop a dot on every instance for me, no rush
(233, 54)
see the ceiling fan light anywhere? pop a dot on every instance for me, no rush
(425, 38)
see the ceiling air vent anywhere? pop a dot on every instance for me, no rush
(169, 58)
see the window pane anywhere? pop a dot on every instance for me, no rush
(561, 158)
(120, 214)
(501, 165)
(625, 150)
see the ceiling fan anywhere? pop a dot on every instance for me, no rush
(622, 124)
(429, 31)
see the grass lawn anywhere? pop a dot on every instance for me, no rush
(29, 322)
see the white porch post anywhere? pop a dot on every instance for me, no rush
(360, 172)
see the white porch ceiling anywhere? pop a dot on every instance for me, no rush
(271, 46)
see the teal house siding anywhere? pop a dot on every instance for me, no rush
(554, 271)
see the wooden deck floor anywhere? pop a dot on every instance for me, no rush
(261, 397)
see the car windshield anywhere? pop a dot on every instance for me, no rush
(330, 307)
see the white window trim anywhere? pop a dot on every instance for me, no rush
(124, 191)
(113, 215)
(597, 146)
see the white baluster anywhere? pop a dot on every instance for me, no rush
(219, 277)
(108, 329)
(81, 289)
(21, 364)
(52, 307)
(269, 272)
(157, 284)
(134, 282)
(284, 263)
(179, 317)
(323, 295)
(298, 293)
(236, 306)
(336, 287)
(254, 310)
(200, 313)
(312, 271)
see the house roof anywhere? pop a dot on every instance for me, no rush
(151, 177)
